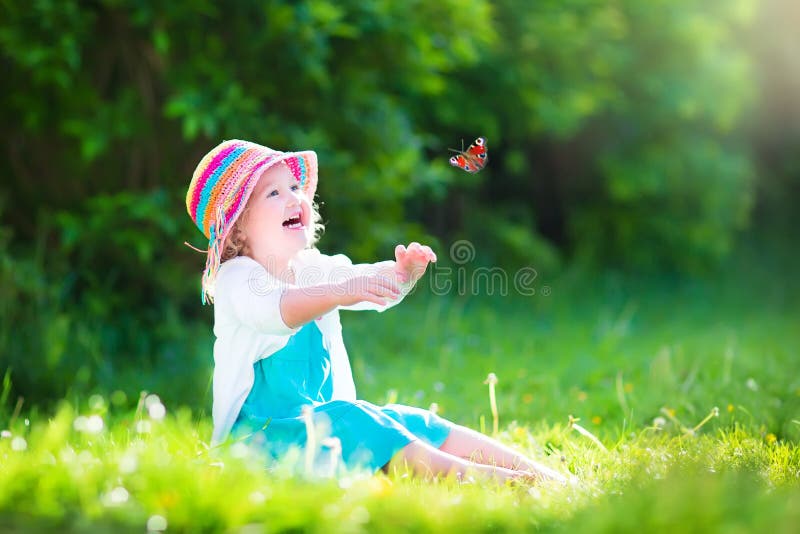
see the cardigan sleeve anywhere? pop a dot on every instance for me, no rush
(247, 294)
(339, 267)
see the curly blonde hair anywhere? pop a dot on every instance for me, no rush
(236, 242)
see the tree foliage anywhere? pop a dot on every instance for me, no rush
(615, 136)
(610, 122)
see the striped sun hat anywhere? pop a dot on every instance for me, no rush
(222, 184)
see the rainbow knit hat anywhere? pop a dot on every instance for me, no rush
(222, 184)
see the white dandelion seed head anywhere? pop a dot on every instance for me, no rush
(143, 427)
(117, 496)
(156, 411)
(257, 497)
(94, 424)
(79, 424)
(239, 450)
(90, 425)
(151, 399)
(128, 464)
(359, 515)
(157, 523)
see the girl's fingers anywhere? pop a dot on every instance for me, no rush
(416, 248)
(373, 288)
(412, 258)
(385, 285)
(376, 300)
(423, 250)
(380, 295)
(422, 255)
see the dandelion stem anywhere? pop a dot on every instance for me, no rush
(621, 395)
(714, 413)
(670, 415)
(334, 446)
(17, 410)
(137, 416)
(573, 423)
(492, 380)
(311, 439)
(728, 364)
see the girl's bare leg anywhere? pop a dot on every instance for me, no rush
(476, 447)
(428, 461)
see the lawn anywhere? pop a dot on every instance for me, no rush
(686, 395)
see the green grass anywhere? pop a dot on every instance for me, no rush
(640, 362)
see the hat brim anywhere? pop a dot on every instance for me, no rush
(303, 166)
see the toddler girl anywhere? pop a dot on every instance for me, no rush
(279, 347)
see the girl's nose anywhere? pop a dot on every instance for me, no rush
(295, 198)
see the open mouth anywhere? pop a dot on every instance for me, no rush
(294, 222)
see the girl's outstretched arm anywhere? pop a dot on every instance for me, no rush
(299, 305)
(409, 266)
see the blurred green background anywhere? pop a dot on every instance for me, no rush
(646, 138)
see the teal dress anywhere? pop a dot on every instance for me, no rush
(299, 375)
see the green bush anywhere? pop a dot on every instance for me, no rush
(99, 303)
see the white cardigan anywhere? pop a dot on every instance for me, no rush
(248, 326)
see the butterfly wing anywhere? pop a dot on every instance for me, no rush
(474, 158)
(461, 162)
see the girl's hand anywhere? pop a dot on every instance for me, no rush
(412, 261)
(374, 288)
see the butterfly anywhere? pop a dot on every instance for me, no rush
(473, 158)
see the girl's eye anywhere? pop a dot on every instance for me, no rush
(273, 193)
(296, 187)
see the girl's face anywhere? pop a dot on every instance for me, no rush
(278, 223)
